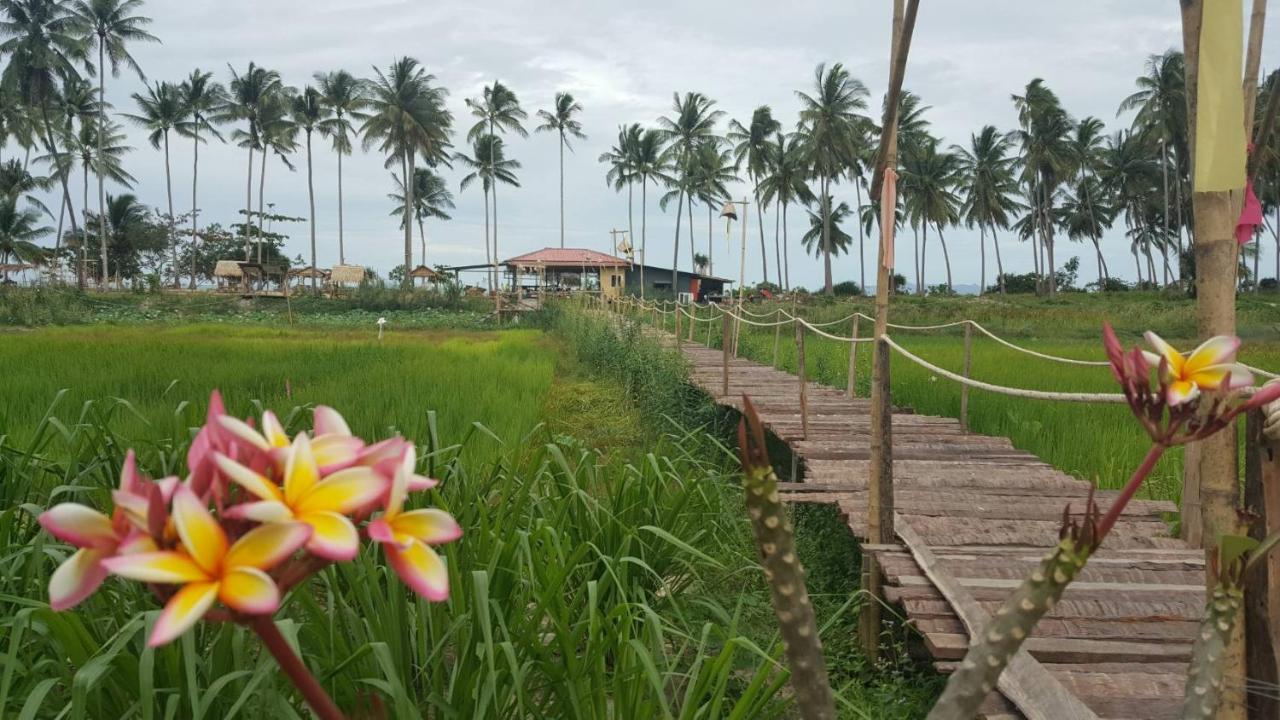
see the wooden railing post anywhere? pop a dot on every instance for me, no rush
(879, 497)
(964, 389)
(693, 316)
(1262, 584)
(800, 372)
(679, 335)
(711, 321)
(852, 390)
(724, 344)
(777, 335)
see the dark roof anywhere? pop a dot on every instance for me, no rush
(702, 276)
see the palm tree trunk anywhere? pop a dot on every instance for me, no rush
(644, 225)
(777, 246)
(1097, 250)
(342, 256)
(946, 258)
(1257, 256)
(248, 205)
(84, 206)
(497, 277)
(862, 258)
(66, 187)
(195, 176)
(827, 287)
(173, 230)
(924, 256)
(1048, 242)
(995, 243)
(631, 224)
(408, 222)
(915, 258)
(490, 276)
(982, 255)
(764, 252)
(422, 236)
(711, 243)
(786, 251)
(311, 197)
(102, 122)
(62, 213)
(562, 187)
(693, 250)
(675, 260)
(262, 195)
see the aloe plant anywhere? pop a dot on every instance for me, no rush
(775, 539)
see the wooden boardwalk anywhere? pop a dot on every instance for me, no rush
(1121, 637)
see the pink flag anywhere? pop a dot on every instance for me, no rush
(1250, 215)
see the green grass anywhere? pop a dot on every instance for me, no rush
(1094, 442)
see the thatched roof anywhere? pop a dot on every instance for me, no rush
(422, 271)
(309, 272)
(16, 267)
(227, 269)
(346, 274)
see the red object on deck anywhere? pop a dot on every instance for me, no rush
(694, 285)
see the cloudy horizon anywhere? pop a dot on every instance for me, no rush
(623, 63)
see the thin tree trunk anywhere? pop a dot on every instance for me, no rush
(248, 206)
(693, 250)
(562, 187)
(631, 225)
(995, 243)
(982, 262)
(711, 242)
(173, 228)
(644, 227)
(862, 257)
(66, 187)
(827, 287)
(62, 212)
(311, 197)
(262, 195)
(490, 276)
(764, 253)
(1048, 241)
(786, 251)
(924, 255)
(102, 122)
(1097, 251)
(675, 260)
(408, 220)
(195, 177)
(497, 276)
(342, 255)
(946, 258)
(915, 258)
(422, 237)
(777, 246)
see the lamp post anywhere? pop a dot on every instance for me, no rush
(729, 212)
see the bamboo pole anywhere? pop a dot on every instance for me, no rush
(880, 499)
(800, 373)
(852, 390)
(968, 365)
(724, 362)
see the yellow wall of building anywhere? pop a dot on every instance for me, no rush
(612, 282)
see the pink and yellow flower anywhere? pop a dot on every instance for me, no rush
(96, 537)
(209, 568)
(307, 496)
(1211, 366)
(407, 536)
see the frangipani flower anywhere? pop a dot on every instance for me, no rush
(97, 538)
(321, 502)
(1211, 366)
(407, 537)
(209, 568)
(334, 447)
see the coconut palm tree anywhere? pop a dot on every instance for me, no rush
(247, 94)
(990, 189)
(277, 135)
(621, 173)
(713, 171)
(84, 144)
(693, 123)
(309, 111)
(825, 234)
(1044, 132)
(407, 119)
(16, 181)
(929, 180)
(1161, 105)
(652, 163)
(344, 95)
(16, 123)
(496, 109)
(431, 199)
(751, 148)
(562, 120)
(77, 110)
(1085, 214)
(201, 98)
(1129, 173)
(160, 111)
(829, 123)
(489, 165)
(786, 184)
(20, 228)
(112, 25)
(43, 45)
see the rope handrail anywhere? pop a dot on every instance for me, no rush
(741, 319)
(1001, 389)
(829, 336)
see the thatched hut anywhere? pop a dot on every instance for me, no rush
(318, 276)
(425, 274)
(228, 275)
(341, 275)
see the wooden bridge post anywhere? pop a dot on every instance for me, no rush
(879, 497)
(679, 335)
(964, 389)
(800, 373)
(710, 321)
(777, 335)
(1262, 585)
(724, 353)
(693, 316)
(852, 390)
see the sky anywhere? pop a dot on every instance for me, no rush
(623, 62)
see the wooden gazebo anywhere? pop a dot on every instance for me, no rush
(425, 274)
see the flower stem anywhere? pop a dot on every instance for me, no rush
(292, 665)
(1130, 488)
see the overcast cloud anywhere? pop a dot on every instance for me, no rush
(623, 61)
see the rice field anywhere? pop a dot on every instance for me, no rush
(1094, 442)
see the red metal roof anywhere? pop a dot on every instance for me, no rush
(567, 257)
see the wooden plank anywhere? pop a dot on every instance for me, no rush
(953, 646)
(1025, 682)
